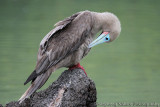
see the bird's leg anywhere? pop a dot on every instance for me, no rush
(78, 66)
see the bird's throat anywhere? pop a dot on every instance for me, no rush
(78, 66)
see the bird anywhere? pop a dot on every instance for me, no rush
(69, 42)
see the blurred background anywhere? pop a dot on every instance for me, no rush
(127, 70)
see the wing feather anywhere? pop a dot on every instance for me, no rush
(59, 26)
(66, 41)
(71, 39)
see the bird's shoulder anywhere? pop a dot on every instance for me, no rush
(75, 25)
(58, 27)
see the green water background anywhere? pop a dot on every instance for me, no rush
(127, 70)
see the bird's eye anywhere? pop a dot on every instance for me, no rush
(106, 38)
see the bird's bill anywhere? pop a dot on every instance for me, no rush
(104, 37)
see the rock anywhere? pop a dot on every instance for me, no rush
(72, 89)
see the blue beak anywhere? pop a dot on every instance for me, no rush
(104, 37)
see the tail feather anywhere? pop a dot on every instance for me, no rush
(32, 77)
(38, 71)
(37, 84)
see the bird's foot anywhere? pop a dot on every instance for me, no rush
(78, 66)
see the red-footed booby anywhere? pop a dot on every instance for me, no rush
(69, 42)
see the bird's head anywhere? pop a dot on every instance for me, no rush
(110, 26)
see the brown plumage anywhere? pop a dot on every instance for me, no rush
(67, 44)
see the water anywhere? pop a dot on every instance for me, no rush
(126, 70)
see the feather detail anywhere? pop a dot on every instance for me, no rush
(59, 26)
(37, 84)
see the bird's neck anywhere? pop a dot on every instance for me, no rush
(96, 23)
(102, 20)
